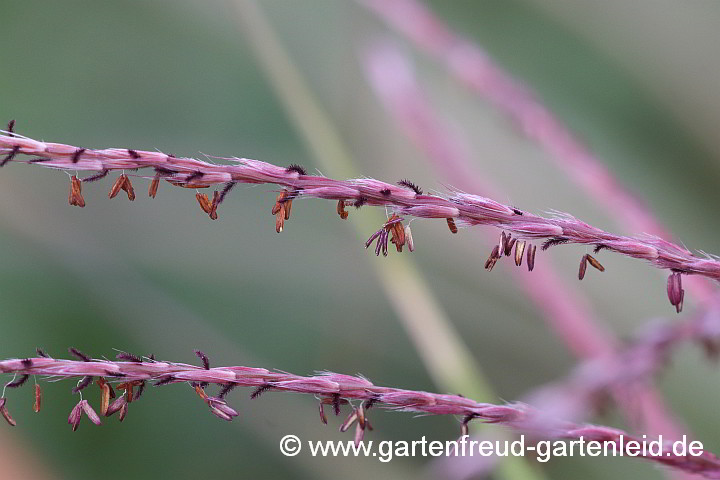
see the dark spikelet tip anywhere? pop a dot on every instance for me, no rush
(299, 169)
(204, 358)
(128, 357)
(10, 156)
(133, 154)
(336, 404)
(41, 353)
(369, 403)
(553, 241)
(599, 247)
(87, 380)
(26, 363)
(77, 353)
(360, 201)
(11, 127)
(385, 192)
(93, 178)
(408, 184)
(18, 382)
(163, 381)
(260, 390)
(140, 390)
(228, 186)
(76, 156)
(227, 388)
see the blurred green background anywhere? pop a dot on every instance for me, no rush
(636, 80)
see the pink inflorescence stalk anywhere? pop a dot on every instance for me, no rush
(404, 199)
(331, 389)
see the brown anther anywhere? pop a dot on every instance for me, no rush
(280, 219)
(123, 412)
(281, 210)
(128, 387)
(359, 434)
(399, 233)
(519, 251)
(214, 205)
(203, 201)
(335, 401)
(6, 414)
(127, 186)
(38, 399)
(398, 236)
(679, 306)
(395, 227)
(288, 208)
(595, 263)
(583, 267)
(531, 257)
(201, 392)
(672, 290)
(321, 409)
(676, 294)
(349, 420)
(152, 191)
(503, 241)
(451, 225)
(279, 201)
(341, 210)
(510, 244)
(105, 397)
(75, 198)
(117, 186)
(409, 239)
(361, 416)
(493, 258)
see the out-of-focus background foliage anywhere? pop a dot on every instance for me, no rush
(638, 81)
